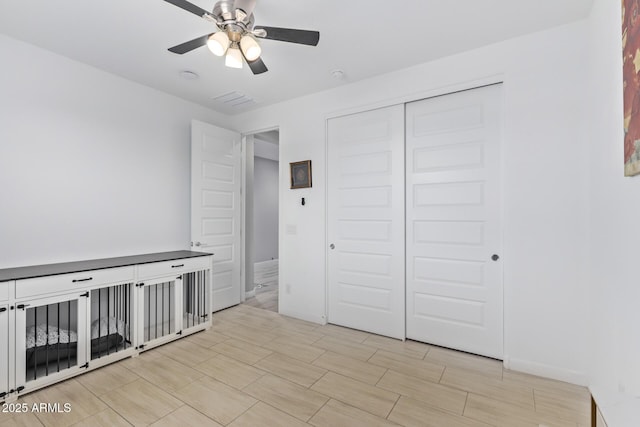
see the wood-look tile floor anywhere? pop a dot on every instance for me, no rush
(258, 368)
(266, 297)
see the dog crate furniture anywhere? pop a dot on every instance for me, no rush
(4, 339)
(47, 347)
(172, 304)
(61, 320)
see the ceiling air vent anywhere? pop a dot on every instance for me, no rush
(234, 99)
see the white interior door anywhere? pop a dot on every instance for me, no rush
(454, 288)
(216, 206)
(366, 221)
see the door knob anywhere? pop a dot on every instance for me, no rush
(495, 257)
(332, 246)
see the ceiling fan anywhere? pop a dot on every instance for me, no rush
(236, 35)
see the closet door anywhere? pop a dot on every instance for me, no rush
(454, 274)
(366, 221)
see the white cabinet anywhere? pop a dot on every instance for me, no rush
(61, 335)
(4, 291)
(173, 305)
(61, 320)
(172, 268)
(51, 340)
(40, 286)
(4, 340)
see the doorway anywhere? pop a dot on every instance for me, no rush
(261, 219)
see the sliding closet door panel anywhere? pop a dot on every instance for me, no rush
(366, 221)
(454, 288)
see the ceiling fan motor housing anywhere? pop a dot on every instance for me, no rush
(227, 14)
(236, 36)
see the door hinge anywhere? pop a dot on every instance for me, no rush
(3, 309)
(22, 306)
(179, 333)
(19, 389)
(85, 366)
(140, 347)
(139, 285)
(3, 394)
(86, 295)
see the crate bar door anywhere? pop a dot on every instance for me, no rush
(159, 303)
(196, 299)
(111, 317)
(4, 350)
(51, 340)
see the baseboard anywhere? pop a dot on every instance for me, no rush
(547, 371)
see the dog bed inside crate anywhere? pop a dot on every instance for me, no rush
(108, 335)
(48, 344)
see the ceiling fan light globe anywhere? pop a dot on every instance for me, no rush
(250, 48)
(233, 58)
(218, 43)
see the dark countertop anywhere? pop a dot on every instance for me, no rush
(30, 272)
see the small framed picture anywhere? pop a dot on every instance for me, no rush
(301, 174)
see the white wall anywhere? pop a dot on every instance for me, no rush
(615, 215)
(91, 165)
(265, 209)
(545, 187)
(265, 149)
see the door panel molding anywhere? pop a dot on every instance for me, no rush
(453, 216)
(216, 207)
(365, 203)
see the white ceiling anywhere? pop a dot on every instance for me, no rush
(363, 38)
(270, 136)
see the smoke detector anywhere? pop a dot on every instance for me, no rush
(337, 74)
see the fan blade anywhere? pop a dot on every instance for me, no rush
(185, 5)
(290, 35)
(190, 45)
(257, 66)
